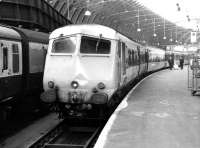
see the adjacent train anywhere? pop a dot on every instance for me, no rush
(22, 57)
(87, 64)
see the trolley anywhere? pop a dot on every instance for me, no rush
(194, 74)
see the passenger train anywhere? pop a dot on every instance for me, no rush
(87, 64)
(22, 57)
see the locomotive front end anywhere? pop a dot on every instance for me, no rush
(79, 72)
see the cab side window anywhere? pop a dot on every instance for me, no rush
(15, 54)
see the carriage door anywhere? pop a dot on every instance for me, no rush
(147, 59)
(123, 63)
(1, 72)
(4, 75)
(119, 65)
(139, 58)
(10, 69)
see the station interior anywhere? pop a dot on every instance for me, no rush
(147, 77)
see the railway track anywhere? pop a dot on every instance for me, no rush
(81, 133)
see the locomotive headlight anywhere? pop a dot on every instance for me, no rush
(51, 84)
(101, 85)
(74, 84)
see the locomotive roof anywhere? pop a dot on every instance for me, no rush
(90, 29)
(9, 33)
(35, 36)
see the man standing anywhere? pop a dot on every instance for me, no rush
(181, 60)
(171, 62)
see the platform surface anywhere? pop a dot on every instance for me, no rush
(159, 113)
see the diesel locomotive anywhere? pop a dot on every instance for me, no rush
(87, 64)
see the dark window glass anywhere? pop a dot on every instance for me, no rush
(146, 56)
(129, 57)
(123, 59)
(119, 49)
(132, 53)
(5, 58)
(15, 64)
(15, 48)
(90, 45)
(64, 45)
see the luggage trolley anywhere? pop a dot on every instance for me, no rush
(194, 74)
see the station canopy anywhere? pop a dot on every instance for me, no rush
(130, 17)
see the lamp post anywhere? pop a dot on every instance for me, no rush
(68, 9)
(164, 37)
(87, 12)
(154, 33)
(176, 35)
(138, 29)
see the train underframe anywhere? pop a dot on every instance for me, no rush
(80, 110)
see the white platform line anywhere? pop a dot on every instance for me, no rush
(103, 136)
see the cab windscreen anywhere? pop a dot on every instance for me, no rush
(64, 45)
(90, 45)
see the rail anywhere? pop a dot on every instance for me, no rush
(67, 134)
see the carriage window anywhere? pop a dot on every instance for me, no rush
(64, 45)
(133, 58)
(15, 51)
(119, 49)
(129, 57)
(123, 59)
(91, 45)
(5, 58)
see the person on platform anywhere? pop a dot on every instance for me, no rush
(181, 60)
(171, 63)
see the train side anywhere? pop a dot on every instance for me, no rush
(87, 64)
(22, 57)
(157, 59)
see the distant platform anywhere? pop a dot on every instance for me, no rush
(159, 113)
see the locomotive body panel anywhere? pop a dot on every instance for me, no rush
(88, 69)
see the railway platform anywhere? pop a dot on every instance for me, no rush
(160, 112)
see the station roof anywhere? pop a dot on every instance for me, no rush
(126, 16)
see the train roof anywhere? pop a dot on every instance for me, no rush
(34, 36)
(89, 29)
(9, 33)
